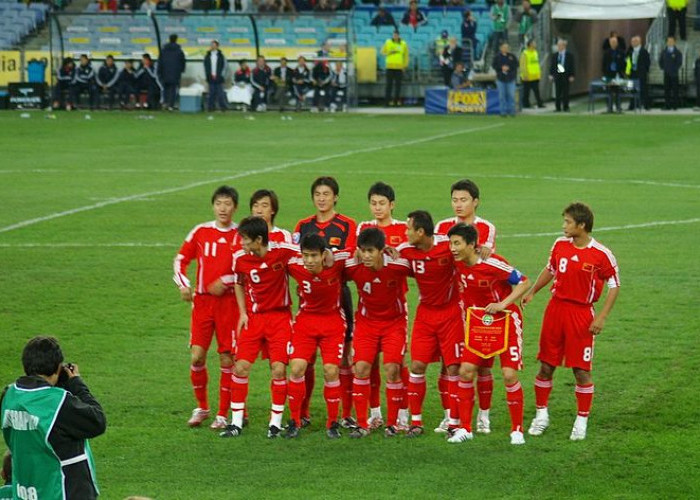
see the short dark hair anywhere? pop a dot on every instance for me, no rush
(283, 59)
(147, 56)
(85, 56)
(581, 213)
(225, 191)
(109, 56)
(422, 220)
(325, 181)
(173, 38)
(216, 42)
(381, 189)
(274, 201)
(313, 242)
(371, 237)
(42, 356)
(253, 227)
(466, 185)
(671, 37)
(7, 467)
(465, 231)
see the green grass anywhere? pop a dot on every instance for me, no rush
(118, 315)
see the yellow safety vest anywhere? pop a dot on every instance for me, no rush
(396, 54)
(530, 66)
(536, 2)
(677, 4)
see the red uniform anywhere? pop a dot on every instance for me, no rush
(320, 322)
(381, 318)
(267, 301)
(579, 274)
(489, 281)
(209, 245)
(395, 232)
(486, 230)
(438, 327)
(275, 235)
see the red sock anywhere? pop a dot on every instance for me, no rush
(404, 379)
(542, 390)
(346, 377)
(394, 399)
(310, 377)
(444, 389)
(484, 385)
(465, 393)
(295, 394)
(453, 381)
(199, 378)
(416, 395)
(375, 387)
(584, 399)
(331, 393)
(278, 390)
(225, 391)
(514, 397)
(360, 397)
(239, 393)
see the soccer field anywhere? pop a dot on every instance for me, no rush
(93, 212)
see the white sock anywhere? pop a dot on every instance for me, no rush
(375, 412)
(541, 413)
(581, 421)
(447, 414)
(237, 418)
(403, 416)
(276, 419)
(484, 413)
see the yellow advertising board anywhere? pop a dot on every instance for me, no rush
(466, 102)
(9, 66)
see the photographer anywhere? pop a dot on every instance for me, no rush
(47, 417)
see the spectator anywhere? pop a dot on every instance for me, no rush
(163, 5)
(383, 18)
(286, 7)
(396, 52)
(613, 69)
(268, 6)
(500, 15)
(697, 82)
(303, 5)
(637, 68)
(506, 65)
(107, 79)
(620, 41)
(242, 90)
(51, 459)
(83, 82)
(6, 476)
(469, 32)
(64, 77)
(325, 6)
(282, 80)
(260, 80)
(458, 78)
(670, 61)
(339, 86)
(171, 66)
(321, 76)
(302, 81)
(451, 55)
(530, 74)
(675, 11)
(562, 71)
(537, 5)
(325, 51)
(345, 5)
(441, 42)
(526, 18)
(437, 3)
(215, 70)
(127, 83)
(147, 81)
(414, 17)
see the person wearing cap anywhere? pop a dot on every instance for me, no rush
(441, 42)
(215, 69)
(383, 18)
(396, 52)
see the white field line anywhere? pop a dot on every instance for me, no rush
(246, 173)
(174, 245)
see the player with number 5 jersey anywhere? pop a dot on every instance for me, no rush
(580, 267)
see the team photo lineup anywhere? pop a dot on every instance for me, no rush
(469, 312)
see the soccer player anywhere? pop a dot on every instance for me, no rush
(319, 324)
(465, 200)
(339, 232)
(438, 327)
(579, 266)
(381, 325)
(264, 203)
(262, 293)
(494, 285)
(209, 243)
(381, 199)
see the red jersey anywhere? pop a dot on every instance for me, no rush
(434, 272)
(382, 293)
(275, 234)
(339, 232)
(210, 245)
(319, 293)
(486, 230)
(487, 281)
(265, 278)
(579, 273)
(395, 232)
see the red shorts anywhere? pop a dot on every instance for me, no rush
(565, 335)
(214, 314)
(312, 331)
(373, 337)
(438, 332)
(511, 357)
(268, 332)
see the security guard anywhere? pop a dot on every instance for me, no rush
(396, 52)
(530, 74)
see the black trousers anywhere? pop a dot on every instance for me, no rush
(561, 92)
(77, 89)
(393, 79)
(447, 75)
(676, 17)
(259, 97)
(324, 100)
(110, 93)
(170, 94)
(671, 91)
(533, 86)
(61, 91)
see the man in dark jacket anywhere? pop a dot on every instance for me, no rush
(321, 76)
(215, 69)
(670, 61)
(171, 65)
(106, 79)
(127, 83)
(506, 66)
(147, 81)
(47, 417)
(260, 80)
(451, 55)
(562, 71)
(64, 77)
(383, 18)
(301, 81)
(282, 77)
(83, 81)
(637, 66)
(613, 70)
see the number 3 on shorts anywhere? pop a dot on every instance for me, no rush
(587, 354)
